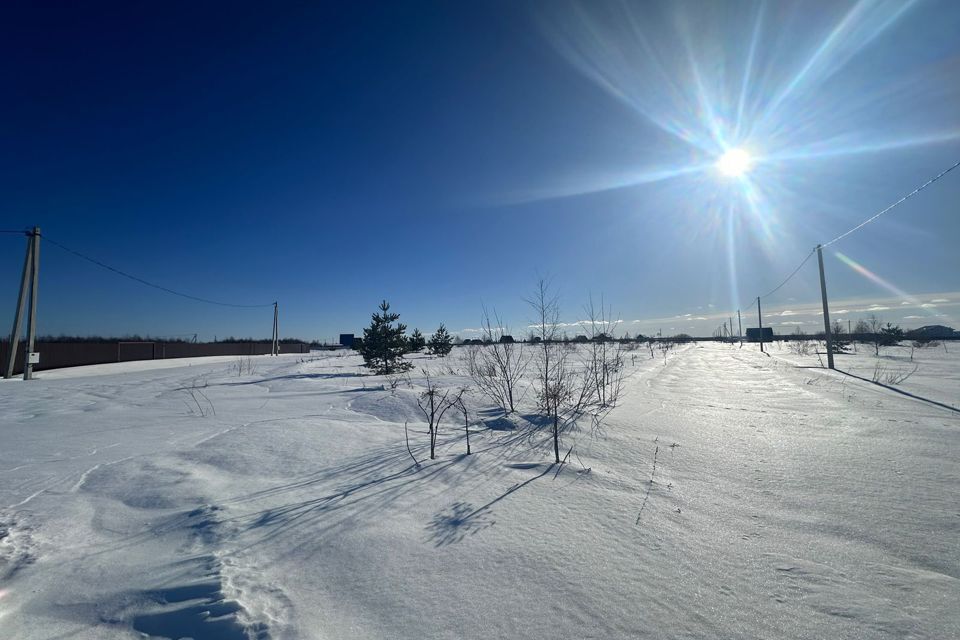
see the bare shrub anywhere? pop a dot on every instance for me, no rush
(562, 393)
(603, 366)
(550, 362)
(800, 347)
(923, 343)
(497, 368)
(664, 347)
(434, 402)
(245, 366)
(198, 399)
(890, 376)
(397, 380)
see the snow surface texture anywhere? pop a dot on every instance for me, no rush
(730, 495)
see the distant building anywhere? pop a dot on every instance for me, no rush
(346, 339)
(506, 339)
(932, 332)
(754, 334)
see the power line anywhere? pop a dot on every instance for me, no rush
(18, 232)
(789, 277)
(785, 281)
(150, 284)
(896, 204)
(859, 226)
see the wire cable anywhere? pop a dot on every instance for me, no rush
(785, 281)
(150, 284)
(789, 277)
(20, 232)
(859, 226)
(895, 204)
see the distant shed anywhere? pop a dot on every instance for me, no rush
(346, 339)
(755, 334)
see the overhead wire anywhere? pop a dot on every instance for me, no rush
(151, 284)
(785, 281)
(858, 227)
(895, 204)
(252, 306)
(790, 277)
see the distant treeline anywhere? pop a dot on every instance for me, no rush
(602, 337)
(167, 339)
(232, 340)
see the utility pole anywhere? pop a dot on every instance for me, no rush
(29, 281)
(29, 357)
(731, 329)
(760, 318)
(274, 348)
(739, 328)
(826, 308)
(18, 315)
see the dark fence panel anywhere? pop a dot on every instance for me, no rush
(56, 355)
(127, 351)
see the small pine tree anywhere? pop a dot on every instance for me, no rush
(416, 341)
(891, 335)
(441, 342)
(384, 343)
(841, 342)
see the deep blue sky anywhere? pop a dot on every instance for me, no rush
(442, 155)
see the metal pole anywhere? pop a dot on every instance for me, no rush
(32, 318)
(18, 316)
(739, 328)
(826, 309)
(760, 318)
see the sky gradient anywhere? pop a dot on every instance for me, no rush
(443, 156)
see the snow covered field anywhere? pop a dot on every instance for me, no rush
(730, 495)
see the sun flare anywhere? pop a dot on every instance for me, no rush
(734, 162)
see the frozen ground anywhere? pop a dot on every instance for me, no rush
(730, 495)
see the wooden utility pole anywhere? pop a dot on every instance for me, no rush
(826, 309)
(29, 282)
(760, 318)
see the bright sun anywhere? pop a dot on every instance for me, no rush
(734, 162)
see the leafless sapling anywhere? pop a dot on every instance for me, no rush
(434, 402)
(603, 364)
(497, 367)
(562, 393)
(462, 405)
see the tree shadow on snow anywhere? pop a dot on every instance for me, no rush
(375, 482)
(358, 490)
(500, 423)
(454, 524)
(461, 519)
